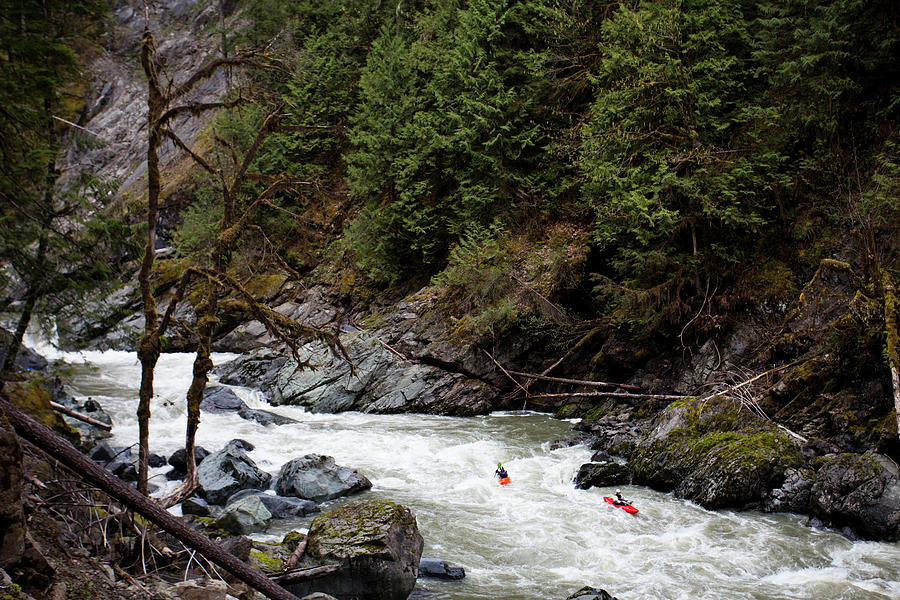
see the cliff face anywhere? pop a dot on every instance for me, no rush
(114, 105)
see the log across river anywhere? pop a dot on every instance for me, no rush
(538, 538)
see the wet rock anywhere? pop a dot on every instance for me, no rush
(257, 369)
(26, 359)
(219, 399)
(793, 495)
(601, 474)
(155, 460)
(264, 417)
(438, 569)
(717, 456)
(195, 506)
(316, 477)
(102, 453)
(858, 491)
(590, 593)
(377, 545)
(281, 507)
(244, 516)
(227, 471)
(177, 459)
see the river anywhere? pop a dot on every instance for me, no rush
(538, 538)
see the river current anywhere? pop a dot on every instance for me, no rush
(538, 538)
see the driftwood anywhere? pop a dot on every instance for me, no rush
(305, 574)
(295, 556)
(624, 386)
(505, 372)
(755, 378)
(610, 395)
(61, 450)
(81, 417)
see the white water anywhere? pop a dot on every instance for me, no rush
(538, 538)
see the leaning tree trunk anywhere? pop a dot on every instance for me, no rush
(893, 343)
(148, 349)
(64, 452)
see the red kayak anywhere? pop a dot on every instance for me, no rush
(504, 481)
(626, 507)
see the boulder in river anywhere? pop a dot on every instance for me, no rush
(220, 399)
(601, 474)
(439, 569)
(316, 477)
(590, 593)
(227, 471)
(858, 491)
(281, 507)
(714, 455)
(244, 515)
(377, 545)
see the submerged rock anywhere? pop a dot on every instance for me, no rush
(590, 593)
(377, 545)
(438, 569)
(316, 477)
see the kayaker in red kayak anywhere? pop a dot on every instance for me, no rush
(501, 474)
(620, 500)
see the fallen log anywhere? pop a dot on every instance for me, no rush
(81, 417)
(624, 386)
(305, 574)
(295, 556)
(610, 395)
(61, 450)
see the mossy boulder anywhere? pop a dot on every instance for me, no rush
(714, 454)
(33, 397)
(376, 543)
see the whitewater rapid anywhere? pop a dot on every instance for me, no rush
(538, 538)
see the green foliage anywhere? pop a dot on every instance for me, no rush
(443, 137)
(200, 226)
(671, 158)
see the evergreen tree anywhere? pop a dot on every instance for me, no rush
(50, 236)
(671, 156)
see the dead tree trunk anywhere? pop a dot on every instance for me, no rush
(64, 452)
(893, 343)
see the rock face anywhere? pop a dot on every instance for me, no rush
(227, 471)
(316, 477)
(383, 383)
(378, 546)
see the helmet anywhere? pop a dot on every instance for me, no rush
(618, 491)
(499, 466)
